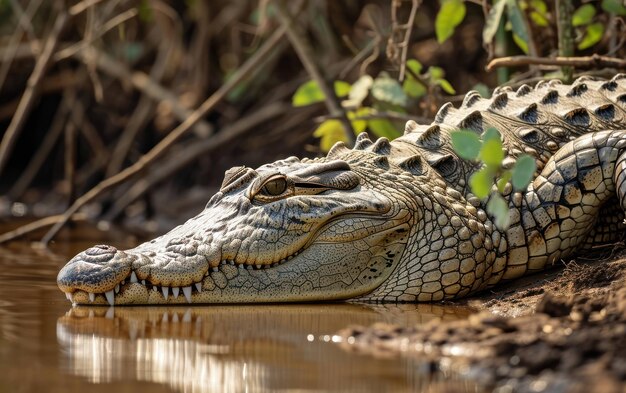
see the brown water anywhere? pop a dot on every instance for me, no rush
(48, 346)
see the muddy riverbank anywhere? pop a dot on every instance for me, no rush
(560, 331)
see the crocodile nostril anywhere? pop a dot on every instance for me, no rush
(100, 253)
(101, 249)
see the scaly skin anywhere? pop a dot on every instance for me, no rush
(389, 221)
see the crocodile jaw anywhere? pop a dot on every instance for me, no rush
(228, 259)
(300, 278)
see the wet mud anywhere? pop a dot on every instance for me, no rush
(560, 331)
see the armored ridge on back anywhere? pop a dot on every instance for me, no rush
(389, 221)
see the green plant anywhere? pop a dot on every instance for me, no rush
(488, 151)
(519, 16)
(373, 104)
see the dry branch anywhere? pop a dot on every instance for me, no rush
(195, 151)
(303, 49)
(27, 100)
(142, 82)
(244, 71)
(39, 224)
(582, 62)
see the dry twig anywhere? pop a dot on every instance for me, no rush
(581, 62)
(39, 224)
(27, 100)
(157, 151)
(193, 152)
(303, 50)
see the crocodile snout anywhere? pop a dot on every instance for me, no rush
(97, 269)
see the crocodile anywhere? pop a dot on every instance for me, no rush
(390, 221)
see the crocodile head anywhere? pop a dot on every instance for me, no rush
(309, 230)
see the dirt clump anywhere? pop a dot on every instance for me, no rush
(567, 333)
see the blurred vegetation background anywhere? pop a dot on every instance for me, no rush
(131, 111)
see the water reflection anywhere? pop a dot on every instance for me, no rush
(238, 348)
(48, 346)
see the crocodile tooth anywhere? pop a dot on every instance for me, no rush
(117, 288)
(187, 293)
(123, 282)
(133, 277)
(154, 288)
(198, 286)
(92, 297)
(258, 267)
(175, 292)
(165, 291)
(143, 282)
(216, 269)
(249, 267)
(110, 297)
(68, 296)
(232, 262)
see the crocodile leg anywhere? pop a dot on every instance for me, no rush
(559, 211)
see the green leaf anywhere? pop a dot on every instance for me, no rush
(450, 15)
(480, 182)
(491, 153)
(342, 88)
(522, 44)
(436, 73)
(539, 19)
(359, 90)
(516, 18)
(491, 133)
(359, 125)
(388, 90)
(499, 209)
(593, 34)
(614, 7)
(504, 179)
(583, 15)
(540, 6)
(413, 88)
(466, 144)
(523, 171)
(446, 86)
(414, 66)
(539, 14)
(309, 92)
(383, 127)
(330, 132)
(493, 21)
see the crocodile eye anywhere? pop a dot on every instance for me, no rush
(275, 186)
